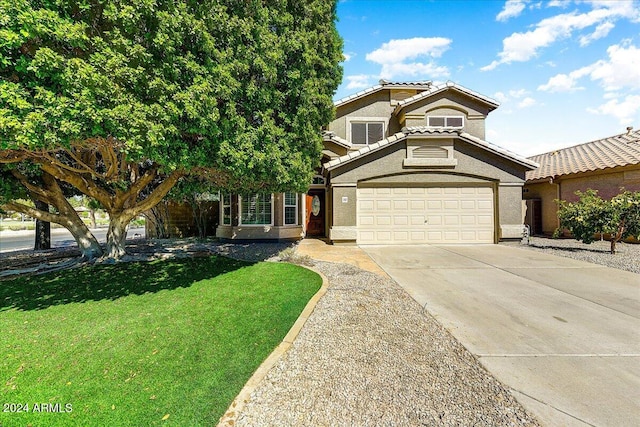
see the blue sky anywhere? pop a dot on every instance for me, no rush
(564, 72)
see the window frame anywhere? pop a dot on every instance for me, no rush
(242, 198)
(366, 120)
(446, 118)
(224, 205)
(285, 206)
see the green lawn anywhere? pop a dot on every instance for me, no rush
(134, 343)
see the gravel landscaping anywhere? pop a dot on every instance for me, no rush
(369, 355)
(627, 256)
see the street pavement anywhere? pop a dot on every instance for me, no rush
(60, 237)
(564, 335)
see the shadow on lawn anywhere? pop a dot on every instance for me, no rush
(110, 282)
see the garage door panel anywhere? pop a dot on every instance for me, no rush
(401, 205)
(418, 205)
(383, 220)
(400, 220)
(417, 220)
(365, 205)
(485, 220)
(425, 215)
(367, 220)
(383, 205)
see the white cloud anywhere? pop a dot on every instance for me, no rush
(500, 97)
(527, 102)
(519, 93)
(627, 111)
(347, 57)
(621, 70)
(402, 49)
(512, 9)
(601, 31)
(563, 82)
(520, 47)
(358, 81)
(618, 76)
(399, 57)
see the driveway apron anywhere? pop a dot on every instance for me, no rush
(564, 335)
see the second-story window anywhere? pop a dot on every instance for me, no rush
(366, 132)
(445, 121)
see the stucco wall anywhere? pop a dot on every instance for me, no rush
(447, 104)
(510, 211)
(385, 167)
(472, 161)
(375, 105)
(265, 232)
(344, 214)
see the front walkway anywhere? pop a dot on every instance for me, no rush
(319, 250)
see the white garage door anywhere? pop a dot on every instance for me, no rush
(388, 216)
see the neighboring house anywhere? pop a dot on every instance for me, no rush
(403, 163)
(606, 165)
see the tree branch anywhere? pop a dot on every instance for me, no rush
(156, 195)
(78, 181)
(32, 212)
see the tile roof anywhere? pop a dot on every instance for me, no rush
(618, 150)
(384, 84)
(330, 136)
(424, 130)
(440, 88)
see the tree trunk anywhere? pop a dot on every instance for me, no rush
(87, 243)
(615, 238)
(92, 216)
(43, 229)
(116, 236)
(51, 194)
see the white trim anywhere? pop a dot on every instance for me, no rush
(285, 206)
(350, 120)
(349, 184)
(253, 225)
(222, 206)
(511, 184)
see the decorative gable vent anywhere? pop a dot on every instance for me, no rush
(430, 153)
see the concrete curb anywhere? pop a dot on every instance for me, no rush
(230, 416)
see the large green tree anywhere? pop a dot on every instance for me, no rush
(121, 99)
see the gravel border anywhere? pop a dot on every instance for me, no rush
(369, 355)
(627, 256)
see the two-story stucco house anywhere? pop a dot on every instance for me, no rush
(403, 163)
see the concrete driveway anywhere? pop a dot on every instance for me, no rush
(564, 335)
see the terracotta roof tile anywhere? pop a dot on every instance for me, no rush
(383, 85)
(424, 130)
(618, 150)
(435, 89)
(330, 136)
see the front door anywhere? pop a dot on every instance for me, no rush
(315, 204)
